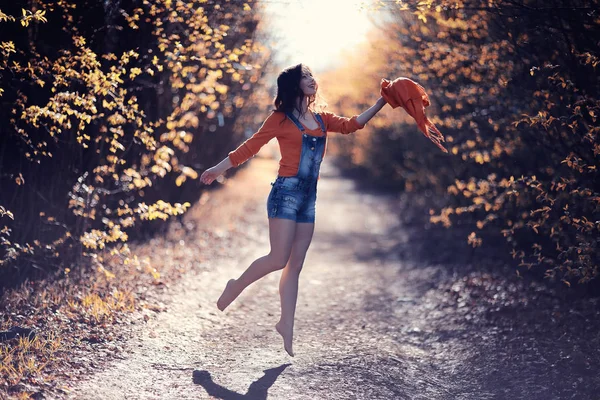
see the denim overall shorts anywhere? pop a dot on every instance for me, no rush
(294, 197)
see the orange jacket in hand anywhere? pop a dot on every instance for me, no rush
(405, 93)
(290, 139)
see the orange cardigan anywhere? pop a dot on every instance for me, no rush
(290, 139)
(408, 94)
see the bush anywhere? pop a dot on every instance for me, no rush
(516, 93)
(107, 109)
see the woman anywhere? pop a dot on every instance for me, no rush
(302, 136)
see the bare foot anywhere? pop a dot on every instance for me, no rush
(287, 334)
(229, 294)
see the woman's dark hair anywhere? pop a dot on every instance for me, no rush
(288, 89)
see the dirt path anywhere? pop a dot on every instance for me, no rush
(370, 324)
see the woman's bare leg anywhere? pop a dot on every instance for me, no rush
(288, 284)
(281, 236)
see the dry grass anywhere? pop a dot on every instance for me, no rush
(72, 316)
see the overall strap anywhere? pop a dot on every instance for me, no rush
(321, 123)
(295, 121)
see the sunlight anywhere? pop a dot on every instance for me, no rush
(316, 32)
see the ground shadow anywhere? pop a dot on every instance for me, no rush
(257, 390)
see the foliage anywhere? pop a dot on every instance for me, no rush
(106, 110)
(515, 90)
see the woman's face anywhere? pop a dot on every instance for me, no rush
(308, 85)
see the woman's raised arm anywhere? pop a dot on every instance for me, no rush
(370, 113)
(344, 125)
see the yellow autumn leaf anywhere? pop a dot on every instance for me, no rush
(39, 15)
(189, 172)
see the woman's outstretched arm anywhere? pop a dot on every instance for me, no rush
(245, 151)
(370, 113)
(344, 125)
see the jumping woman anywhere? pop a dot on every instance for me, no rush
(302, 135)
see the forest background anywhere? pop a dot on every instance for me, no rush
(109, 111)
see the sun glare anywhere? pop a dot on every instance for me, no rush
(316, 32)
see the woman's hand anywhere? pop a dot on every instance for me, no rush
(213, 173)
(210, 175)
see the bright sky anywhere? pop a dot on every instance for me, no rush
(315, 32)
